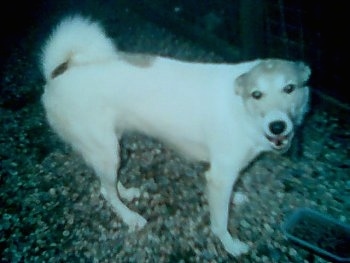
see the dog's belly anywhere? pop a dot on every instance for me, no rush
(190, 149)
(180, 135)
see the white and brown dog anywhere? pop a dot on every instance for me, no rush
(225, 114)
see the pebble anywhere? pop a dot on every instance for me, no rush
(244, 224)
(239, 198)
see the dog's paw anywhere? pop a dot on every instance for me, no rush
(237, 248)
(128, 193)
(233, 245)
(135, 222)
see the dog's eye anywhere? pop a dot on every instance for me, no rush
(257, 94)
(289, 88)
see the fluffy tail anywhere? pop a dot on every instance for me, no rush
(75, 41)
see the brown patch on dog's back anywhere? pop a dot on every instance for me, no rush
(60, 69)
(138, 60)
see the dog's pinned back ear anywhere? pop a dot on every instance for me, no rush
(301, 70)
(240, 84)
(304, 70)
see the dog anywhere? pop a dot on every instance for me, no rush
(223, 114)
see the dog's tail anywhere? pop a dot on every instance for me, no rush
(75, 41)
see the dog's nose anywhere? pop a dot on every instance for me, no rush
(277, 127)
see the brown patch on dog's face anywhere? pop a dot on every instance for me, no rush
(138, 60)
(274, 92)
(295, 72)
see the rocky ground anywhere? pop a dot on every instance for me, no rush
(52, 211)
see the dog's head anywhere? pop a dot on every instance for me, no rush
(276, 97)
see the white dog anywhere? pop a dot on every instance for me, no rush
(225, 114)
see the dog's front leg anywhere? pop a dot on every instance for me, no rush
(220, 180)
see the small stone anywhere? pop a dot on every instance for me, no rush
(244, 224)
(292, 252)
(52, 191)
(239, 198)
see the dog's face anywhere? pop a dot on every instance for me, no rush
(275, 95)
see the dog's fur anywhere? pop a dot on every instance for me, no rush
(225, 114)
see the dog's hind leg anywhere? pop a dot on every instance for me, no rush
(101, 150)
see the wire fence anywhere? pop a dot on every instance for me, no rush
(247, 29)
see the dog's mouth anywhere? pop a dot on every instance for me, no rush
(279, 143)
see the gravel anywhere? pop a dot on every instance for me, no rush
(52, 210)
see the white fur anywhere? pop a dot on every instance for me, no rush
(203, 110)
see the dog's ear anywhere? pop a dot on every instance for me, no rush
(240, 83)
(304, 70)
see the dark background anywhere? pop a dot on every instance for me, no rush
(313, 31)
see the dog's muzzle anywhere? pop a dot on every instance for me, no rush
(279, 136)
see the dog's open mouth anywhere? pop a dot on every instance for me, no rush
(279, 142)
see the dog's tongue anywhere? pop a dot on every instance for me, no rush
(276, 140)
